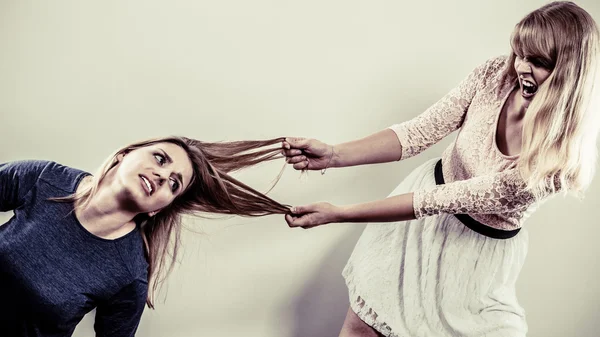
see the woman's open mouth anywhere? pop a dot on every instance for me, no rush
(528, 88)
(147, 185)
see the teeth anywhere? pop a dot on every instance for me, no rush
(529, 88)
(147, 184)
(526, 82)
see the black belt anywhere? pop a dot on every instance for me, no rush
(470, 222)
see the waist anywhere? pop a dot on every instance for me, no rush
(471, 223)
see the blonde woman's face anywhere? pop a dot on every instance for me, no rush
(531, 72)
(155, 175)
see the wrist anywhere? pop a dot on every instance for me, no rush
(336, 160)
(342, 213)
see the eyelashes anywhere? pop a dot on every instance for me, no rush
(162, 161)
(537, 61)
(175, 185)
(540, 62)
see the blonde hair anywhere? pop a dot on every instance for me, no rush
(211, 190)
(560, 128)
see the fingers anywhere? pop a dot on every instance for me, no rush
(299, 210)
(299, 162)
(297, 151)
(294, 142)
(303, 221)
(303, 165)
(303, 216)
(299, 216)
(296, 159)
(292, 152)
(291, 221)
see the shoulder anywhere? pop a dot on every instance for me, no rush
(24, 168)
(492, 67)
(486, 72)
(23, 174)
(491, 71)
(62, 177)
(33, 170)
(495, 64)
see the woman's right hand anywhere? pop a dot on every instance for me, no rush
(307, 154)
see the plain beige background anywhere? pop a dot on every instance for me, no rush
(80, 78)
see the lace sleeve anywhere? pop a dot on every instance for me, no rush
(442, 118)
(503, 192)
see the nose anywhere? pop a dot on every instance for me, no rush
(159, 177)
(523, 67)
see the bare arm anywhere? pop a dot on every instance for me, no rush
(501, 192)
(399, 141)
(312, 154)
(396, 208)
(380, 147)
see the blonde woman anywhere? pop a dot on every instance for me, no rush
(446, 261)
(78, 242)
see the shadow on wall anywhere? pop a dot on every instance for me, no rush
(321, 307)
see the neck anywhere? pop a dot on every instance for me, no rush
(104, 216)
(519, 106)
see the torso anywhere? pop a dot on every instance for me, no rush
(489, 143)
(52, 270)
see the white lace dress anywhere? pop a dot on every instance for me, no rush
(433, 276)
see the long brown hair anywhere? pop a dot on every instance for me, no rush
(211, 190)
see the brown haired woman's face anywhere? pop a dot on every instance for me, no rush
(531, 72)
(155, 175)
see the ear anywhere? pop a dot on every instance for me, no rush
(120, 156)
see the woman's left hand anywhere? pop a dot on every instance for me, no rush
(313, 215)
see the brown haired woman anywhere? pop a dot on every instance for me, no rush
(78, 242)
(447, 261)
